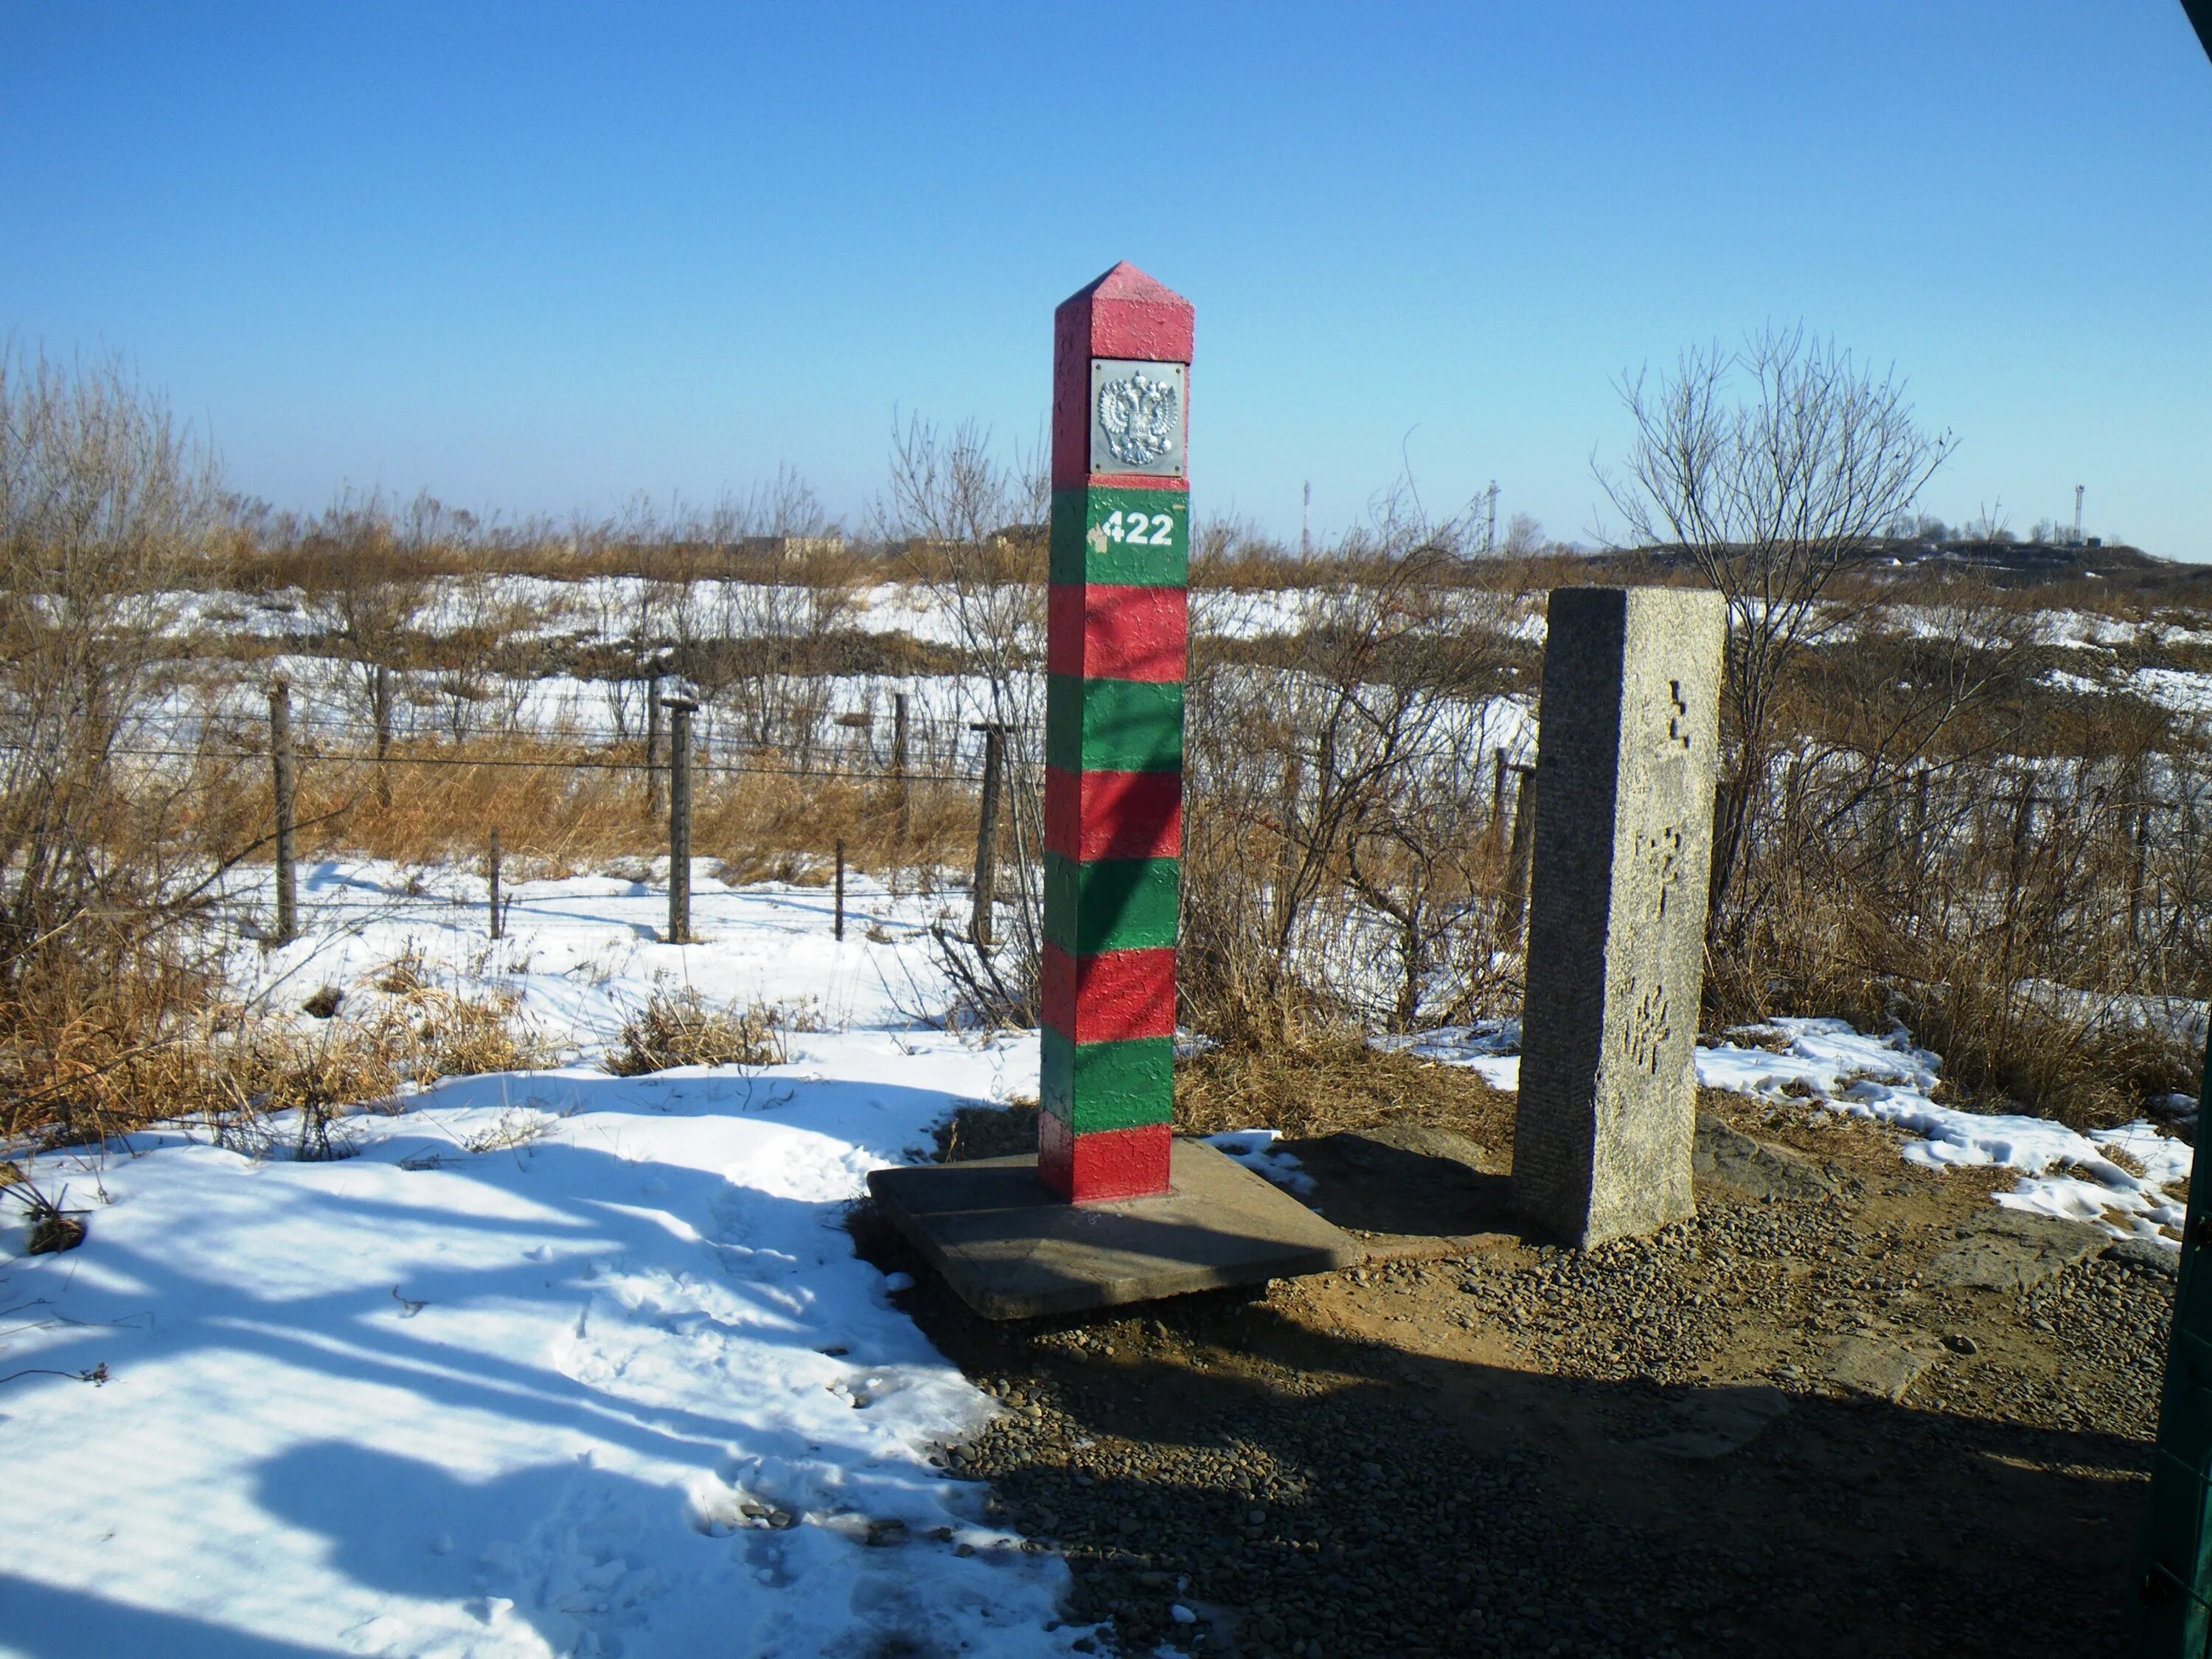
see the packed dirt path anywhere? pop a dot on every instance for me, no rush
(1853, 1409)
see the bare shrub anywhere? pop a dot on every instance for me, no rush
(1333, 801)
(680, 1028)
(106, 507)
(53, 1227)
(1953, 846)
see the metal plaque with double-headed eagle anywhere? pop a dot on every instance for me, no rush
(1137, 416)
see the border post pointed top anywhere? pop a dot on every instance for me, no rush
(1123, 314)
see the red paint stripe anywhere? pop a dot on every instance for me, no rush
(1115, 996)
(1099, 632)
(1098, 1169)
(1090, 816)
(1071, 414)
(1129, 480)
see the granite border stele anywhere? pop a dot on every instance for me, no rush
(1011, 1249)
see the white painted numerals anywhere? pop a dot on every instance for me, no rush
(1140, 529)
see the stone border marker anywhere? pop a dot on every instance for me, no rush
(1626, 760)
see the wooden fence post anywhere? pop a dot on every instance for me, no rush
(840, 890)
(652, 776)
(987, 833)
(380, 701)
(281, 769)
(2138, 869)
(2023, 829)
(1498, 801)
(680, 710)
(898, 767)
(498, 924)
(1513, 907)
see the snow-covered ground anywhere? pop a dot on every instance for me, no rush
(1823, 1066)
(581, 954)
(557, 1363)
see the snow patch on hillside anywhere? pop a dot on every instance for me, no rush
(1825, 1065)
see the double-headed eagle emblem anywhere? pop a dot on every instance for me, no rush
(1137, 416)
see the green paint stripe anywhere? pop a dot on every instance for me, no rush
(1113, 725)
(1091, 531)
(1114, 904)
(1090, 1086)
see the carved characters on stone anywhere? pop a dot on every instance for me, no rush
(1661, 853)
(1677, 714)
(1651, 1023)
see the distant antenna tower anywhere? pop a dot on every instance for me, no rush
(1490, 518)
(2077, 515)
(1305, 524)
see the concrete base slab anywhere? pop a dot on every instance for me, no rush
(1011, 1250)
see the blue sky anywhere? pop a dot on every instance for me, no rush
(537, 257)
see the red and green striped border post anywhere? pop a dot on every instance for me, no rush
(1117, 644)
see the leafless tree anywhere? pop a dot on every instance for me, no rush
(1524, 537)
(775, 625)
(971, 525)
(1773, 466)
(373, 581)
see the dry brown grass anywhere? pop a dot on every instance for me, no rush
(562, 809)
(680, 1028)
(1320, 1086)
(1843, 953)
(454, 1035)
(311, 558)
(1330, 1085)
(233, 1068)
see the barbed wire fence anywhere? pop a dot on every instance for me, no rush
(892, 758)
